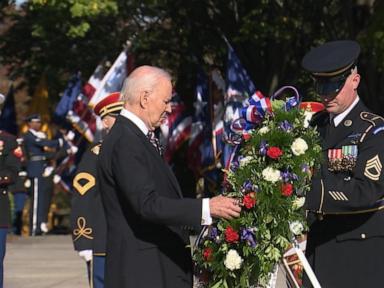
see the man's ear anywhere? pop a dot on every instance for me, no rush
(356, 81)
(144, 99)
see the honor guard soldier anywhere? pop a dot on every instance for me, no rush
(38, 169)
(346, 217)
(87, 217)
(9, 166)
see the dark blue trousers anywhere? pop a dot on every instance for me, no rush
(98, 271)
(3, 238)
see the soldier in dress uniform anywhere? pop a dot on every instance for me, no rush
(88, 220)
(9, 167)
(346, 218)
(19, 189)
(38, 152)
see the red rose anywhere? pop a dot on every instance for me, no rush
(274, 152)
(287, 189)
(246, 136)
(249, 200)
(207, 254)
(231, 236)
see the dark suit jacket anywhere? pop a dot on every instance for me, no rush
(347, 233)
(145, 213)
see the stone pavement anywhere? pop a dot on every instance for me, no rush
(43, 262)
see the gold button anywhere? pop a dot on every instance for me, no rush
(6, 178)
(4, 192)
(363, 236)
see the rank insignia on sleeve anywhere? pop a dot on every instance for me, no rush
(373, 168)
(83, 182)
(342, 159)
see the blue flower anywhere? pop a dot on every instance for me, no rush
(285, 126)
(249, 236)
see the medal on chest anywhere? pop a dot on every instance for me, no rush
(342, 159)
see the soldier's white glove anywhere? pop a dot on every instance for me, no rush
(86, 255)
(48, 171)
(27, 183)
(72, 150)
(40, 135)
(70, 135)
(56, 179)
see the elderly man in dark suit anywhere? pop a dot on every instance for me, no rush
(146, 213)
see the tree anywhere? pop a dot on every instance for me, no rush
(269, 36)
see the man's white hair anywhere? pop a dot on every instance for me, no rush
(143, 78)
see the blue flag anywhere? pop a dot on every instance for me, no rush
(8, 114)
(239, 88)
(238, 80)
(69, 97)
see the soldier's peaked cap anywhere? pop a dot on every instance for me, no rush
(33, 118)
(109, 105)
(332, 58)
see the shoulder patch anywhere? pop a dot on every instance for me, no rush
(83, 182)
(96, 149)
(372, 118)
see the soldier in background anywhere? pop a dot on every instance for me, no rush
(87, 217)
(19, 189)
(38, 153)
(9, 166)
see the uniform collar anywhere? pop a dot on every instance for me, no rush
(340, 117)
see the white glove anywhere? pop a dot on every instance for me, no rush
(40, 135)
(73, 150)
(56, 179)
(27, 183)
(48, 171)
(86, 255)
(70, 135)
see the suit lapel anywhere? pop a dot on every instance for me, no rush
(147, 144)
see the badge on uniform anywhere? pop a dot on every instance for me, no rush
(342, 159)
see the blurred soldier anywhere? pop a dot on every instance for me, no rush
(346, 218)
(38, 152)
(19, 189)
(9, 167)
(88, 220)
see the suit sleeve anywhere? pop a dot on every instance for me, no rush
(135, 179)
(361, 190)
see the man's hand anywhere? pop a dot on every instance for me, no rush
(224, 207)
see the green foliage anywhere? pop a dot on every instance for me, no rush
(270, 37)
(274, 169)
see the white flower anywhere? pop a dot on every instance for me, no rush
(298, 203)
(307, 117)
(296, 227)
(263, 130)
(245, 160)
(299, 146)
(233, 260)
(270, 174)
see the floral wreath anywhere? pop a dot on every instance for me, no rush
(270, 175)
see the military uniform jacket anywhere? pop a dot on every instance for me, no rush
(346, 201)
(87, 216)
(36, 155)
(144, 212)
(9, 166)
